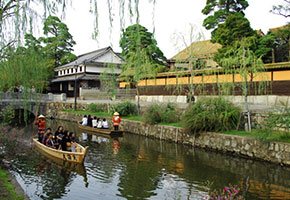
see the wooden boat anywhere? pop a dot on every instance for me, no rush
(101, 131)
(77, 157)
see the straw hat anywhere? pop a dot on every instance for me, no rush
(41, 116)
(116, 113)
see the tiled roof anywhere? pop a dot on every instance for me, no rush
(198, 49)
(88, 57)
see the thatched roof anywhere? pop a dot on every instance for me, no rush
(198, 49)
(279, 28)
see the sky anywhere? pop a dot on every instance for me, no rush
(171, 19)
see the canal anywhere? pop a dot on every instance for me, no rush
(136, 167)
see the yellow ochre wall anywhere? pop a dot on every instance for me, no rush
(221, 78)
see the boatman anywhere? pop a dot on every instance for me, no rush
(41, 127)
(116, 121)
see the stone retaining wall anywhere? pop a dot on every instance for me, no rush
(275, 152)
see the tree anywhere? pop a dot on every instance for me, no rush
(283, 10)
(59, 42)
(281, 43)
(143, 57)
(218, 10)
(241, 61)
(235, 27)
(148, 45)
(17, 15)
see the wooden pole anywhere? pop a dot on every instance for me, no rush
(37, 109)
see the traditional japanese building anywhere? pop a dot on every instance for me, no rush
(86, 70)
(199, 53)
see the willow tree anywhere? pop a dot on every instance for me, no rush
(192, 41)
(241, 62)
(282, 9)
(143, 57)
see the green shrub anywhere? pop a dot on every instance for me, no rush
(96, 107)
(280, 119)
(153, 114)
(211, 114)
(124, 109)
(159, 113)
(8, 114)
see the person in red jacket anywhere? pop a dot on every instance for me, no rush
(116, 121)
(41, 127)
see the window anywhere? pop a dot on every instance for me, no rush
(60, 72)
(72, 70)
(68, 71)
(76, 70)
(63, 71)
(81, 68)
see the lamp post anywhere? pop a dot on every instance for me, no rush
(75, 86)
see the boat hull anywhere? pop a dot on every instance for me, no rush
(101, 131)
(76, 157)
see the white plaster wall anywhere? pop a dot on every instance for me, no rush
(270, 100)
(109, 57)
(95, 69)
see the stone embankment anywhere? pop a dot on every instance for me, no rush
(270, 151)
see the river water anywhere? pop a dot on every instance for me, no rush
(136, 167)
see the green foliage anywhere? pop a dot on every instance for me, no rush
(27, 67)
(217, 11)
(280, 119)
(124, 109)
(263, 134)
(153, 114)
(281, 40)
(7, 190)
(137, 36)
(8, 115)
(235, 27)
(59, 42)
(143, 57)
(283, 10)
(96, 107)
(161, 114)
(211, 114)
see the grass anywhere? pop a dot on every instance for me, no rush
(7, 191)
(176, 124)
(103, 114)
(279, 136)
(84, 112)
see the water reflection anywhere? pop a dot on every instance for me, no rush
(135, 167)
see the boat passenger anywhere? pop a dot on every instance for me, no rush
(85, 120)
(41, 127)
(116, 121)
(73, 141)
(65, 142)
(95, 122)
(49, 141)
(99, 123)
(90, 121)
(47, 132)
(105, 124)
(58, 137)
